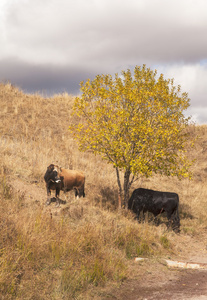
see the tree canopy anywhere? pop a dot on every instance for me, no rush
(136, 122)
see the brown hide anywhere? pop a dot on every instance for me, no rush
(71, 179)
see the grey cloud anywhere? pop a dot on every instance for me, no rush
(192, 78)
(46, 79)
(198, 114)
(84, 31)
(50, 79)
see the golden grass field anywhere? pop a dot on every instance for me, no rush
(74, 251)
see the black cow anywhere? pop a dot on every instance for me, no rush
(156, 202)
(58, 179)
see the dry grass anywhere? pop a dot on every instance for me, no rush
(57, 257)
(45, 254)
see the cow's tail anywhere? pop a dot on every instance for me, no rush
(177, 217)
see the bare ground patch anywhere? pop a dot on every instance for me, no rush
(187, 284)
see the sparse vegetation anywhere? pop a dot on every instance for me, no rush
(87, 243)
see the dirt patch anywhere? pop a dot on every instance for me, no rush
(153, 280)
(187, 284)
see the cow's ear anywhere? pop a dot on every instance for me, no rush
(51, 167)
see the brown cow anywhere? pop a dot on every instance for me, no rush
(57, 179)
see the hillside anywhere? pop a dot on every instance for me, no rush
(85, 248)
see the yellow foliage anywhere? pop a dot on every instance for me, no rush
(136, 122)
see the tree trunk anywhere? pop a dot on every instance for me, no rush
(120, 189)
(123, 201)
(127, 185)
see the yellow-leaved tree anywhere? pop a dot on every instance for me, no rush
(135, 122)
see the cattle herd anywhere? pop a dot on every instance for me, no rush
(142, 200)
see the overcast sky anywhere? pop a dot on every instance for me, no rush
(49, 46)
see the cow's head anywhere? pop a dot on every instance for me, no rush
(52, 175)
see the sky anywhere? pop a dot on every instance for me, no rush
(50, 46)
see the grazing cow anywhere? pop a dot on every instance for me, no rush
(57, 179)
(156, 203)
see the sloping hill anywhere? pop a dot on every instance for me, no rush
(84, 247)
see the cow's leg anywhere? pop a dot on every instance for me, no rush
(169, 217)
(156, 220)
(57, 197)
(173, 220)
(79, 192)
(48, 196)
(82, 192)
(144, 215)
(176, 221)
(138, 216)
(76, 193)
